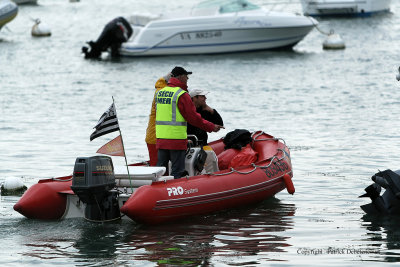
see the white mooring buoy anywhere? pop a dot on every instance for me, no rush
(334, 41)
(12, 186)
(40, 29)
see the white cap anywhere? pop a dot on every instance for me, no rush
(195, 92)
(167, 76)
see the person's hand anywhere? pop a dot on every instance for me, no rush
(208, 108)
(218, 127)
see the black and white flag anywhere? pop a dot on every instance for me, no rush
(107, 123)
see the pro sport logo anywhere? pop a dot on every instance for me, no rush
(175, 191)
(178, 191)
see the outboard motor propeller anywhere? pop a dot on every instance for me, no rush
(113, 35)
(389, 202)
(92, 181)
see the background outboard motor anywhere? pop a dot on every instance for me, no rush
(113, 35)
(92, 181)
(389, 202)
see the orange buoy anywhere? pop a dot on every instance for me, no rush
(289, 184)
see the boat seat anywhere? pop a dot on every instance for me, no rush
(139, 172)
(139, 175)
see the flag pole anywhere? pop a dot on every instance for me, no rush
(123, 148)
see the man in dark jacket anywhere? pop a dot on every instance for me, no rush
(199, 100)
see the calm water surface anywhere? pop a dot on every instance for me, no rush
(337, 111)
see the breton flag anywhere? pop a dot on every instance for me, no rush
(107, 123)
(113, 148)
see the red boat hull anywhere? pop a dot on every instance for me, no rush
(184, 197)
(171, 200)
(44, 200)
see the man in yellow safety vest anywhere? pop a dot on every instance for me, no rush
(174, 108)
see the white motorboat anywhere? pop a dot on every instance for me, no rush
(8, 11)
(23, 2)
(215, 26)
(344, 7)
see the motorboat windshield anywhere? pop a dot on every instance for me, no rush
(223, 6)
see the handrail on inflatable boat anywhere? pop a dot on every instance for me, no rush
(258, 133)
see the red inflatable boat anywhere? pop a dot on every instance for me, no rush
(97, 191)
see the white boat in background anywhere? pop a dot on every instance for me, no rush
(215, 26)
(8, 11)
(344, 7)
(23, 2)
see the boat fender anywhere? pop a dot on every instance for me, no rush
(334, 41)
(398, 75)
(289, 184)
(40, 29)
(12, 186)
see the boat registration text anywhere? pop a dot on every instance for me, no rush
(201, 35)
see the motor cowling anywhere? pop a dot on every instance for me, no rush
(92, 181)
(116, 32)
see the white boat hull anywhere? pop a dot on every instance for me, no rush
(344, 7)
(258, 30)
(220, 41)
(23, 2)
(8, 11)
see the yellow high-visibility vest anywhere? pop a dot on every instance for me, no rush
(170, 124)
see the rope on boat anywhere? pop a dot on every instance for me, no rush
(255, 166)
(321, 31)
(272, 160)
(334, 41)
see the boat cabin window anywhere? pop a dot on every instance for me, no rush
(226, 6)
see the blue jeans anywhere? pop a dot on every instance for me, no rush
(177, 158)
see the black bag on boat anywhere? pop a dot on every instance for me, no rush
(237, 139)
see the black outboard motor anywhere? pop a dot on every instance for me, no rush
(389, 202)
(92, 181)
(113, 35)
